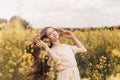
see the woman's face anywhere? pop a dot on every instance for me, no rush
(52, 34)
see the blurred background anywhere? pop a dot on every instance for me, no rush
(95, 23)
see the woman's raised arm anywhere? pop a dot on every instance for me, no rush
(80, 47)
(51, 53)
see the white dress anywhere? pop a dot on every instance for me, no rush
(67, 70)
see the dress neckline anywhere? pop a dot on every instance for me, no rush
(57, 46)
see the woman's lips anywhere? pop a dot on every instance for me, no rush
(55, 36)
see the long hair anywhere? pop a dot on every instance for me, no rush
(44, 36)
(39, 67)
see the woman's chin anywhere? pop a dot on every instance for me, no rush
(55, 39)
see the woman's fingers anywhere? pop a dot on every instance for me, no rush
(68, 36)
(66, 33)
(38, 43)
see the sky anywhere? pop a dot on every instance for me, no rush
(63, 13)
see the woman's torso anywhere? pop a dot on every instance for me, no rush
(66, 56)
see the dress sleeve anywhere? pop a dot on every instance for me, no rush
(53, 61)
(74, 49)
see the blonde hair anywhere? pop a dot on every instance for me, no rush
(42, 34)
(39, 68)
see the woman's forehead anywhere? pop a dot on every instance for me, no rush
(50, 30)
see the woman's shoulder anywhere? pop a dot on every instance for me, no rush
(67, 45)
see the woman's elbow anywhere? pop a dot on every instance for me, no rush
(84, 50)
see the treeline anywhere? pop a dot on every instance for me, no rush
(26, 25)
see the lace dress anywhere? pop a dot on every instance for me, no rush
(67, 70)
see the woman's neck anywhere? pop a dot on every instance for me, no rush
(56, 43)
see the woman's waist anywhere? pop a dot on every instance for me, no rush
(61, 68)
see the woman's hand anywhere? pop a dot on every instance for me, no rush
(68, 34)
(40, 43)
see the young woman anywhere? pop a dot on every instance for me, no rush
(63, 54)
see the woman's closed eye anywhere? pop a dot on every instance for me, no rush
(49, 34)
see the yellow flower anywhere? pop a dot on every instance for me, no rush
(19, 60)
(112, 77)
(11, 62)
(11, 70)
(51, 68)
(32, 50)
(1, 58)
(6, 66)
(51, 75)
(24, 56)
(19, 54)
(13, 55)
(90, 64)
(1, 74)
(116, 52)
(9, 75)
(21, 70)
(23, 64)
(57, 61)
(8, 48)
(14, 63)
(30, 62)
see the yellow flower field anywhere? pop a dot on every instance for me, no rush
(101, 62)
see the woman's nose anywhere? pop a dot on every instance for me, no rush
(53, 33)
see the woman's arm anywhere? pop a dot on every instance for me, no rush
(52, 54)
(80, 47)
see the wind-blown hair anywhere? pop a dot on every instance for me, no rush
(39, 68)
